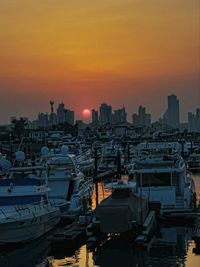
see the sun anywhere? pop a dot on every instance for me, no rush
(86, 113)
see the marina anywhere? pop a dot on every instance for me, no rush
(100, 133)
(115, 211)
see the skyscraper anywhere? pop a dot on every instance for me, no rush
(105, 114)
(61, 113)
(95, 117)
(69, 116)
(142, 119)
(120, 116)
(172, 115)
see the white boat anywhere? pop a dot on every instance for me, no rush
(160, 175)
(83, 158)
(109, 158)
(25, 211)
(85, 163)
(5, 165)
(193, 161)
(70, 188)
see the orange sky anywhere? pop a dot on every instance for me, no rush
(84, 52)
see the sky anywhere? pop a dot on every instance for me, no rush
(85, 52)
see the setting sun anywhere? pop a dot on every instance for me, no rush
(86, 113)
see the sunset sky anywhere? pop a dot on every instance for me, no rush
(85, 52)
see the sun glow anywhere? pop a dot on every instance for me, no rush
(86, 114)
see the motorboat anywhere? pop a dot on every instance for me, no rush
(193, 161)
(71, 190)
(25, 210)
(109, 158)
(122, 212)
(161, 177)
(5, 165)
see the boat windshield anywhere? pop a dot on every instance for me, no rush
(154, 179)
(121, 193)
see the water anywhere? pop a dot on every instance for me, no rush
(175, 248)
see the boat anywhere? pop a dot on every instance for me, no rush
(25, 210)
(5, 165)
(82, 153)
(110, 155)
(193, 161)
(161, 177)
(122, 212)
(71, 190)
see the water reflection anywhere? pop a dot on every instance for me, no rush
(173, 246)
(170, 249)
(31, 254)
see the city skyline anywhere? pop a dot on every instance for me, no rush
(85, 52)
(106, 114)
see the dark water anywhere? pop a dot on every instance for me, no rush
(174, 247)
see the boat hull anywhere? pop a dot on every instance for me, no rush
(28, 228)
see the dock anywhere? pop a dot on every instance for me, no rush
(70, 233)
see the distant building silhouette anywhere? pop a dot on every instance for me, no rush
(172, 115)
(105, 114)
(52, 112)
(142, 119)
(65, 115)
(69, 116)
(194, 121)
(120, 116)
(95, 117)
(61, 113)
(43, 120)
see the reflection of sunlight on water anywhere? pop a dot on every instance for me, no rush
(197, 185)
(192, 260)
(81, 258)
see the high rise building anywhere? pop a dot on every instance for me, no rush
(43, 121)
(95, 117)
(172, 115)
(120, 116)
(105, 114)
(61, 113)
(142, 119)
(194, 121)
(65, 115)
(191, 122)
(69, 116)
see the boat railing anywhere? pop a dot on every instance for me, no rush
(33, 208)
(87, 182)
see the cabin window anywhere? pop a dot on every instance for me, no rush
(154, 179)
